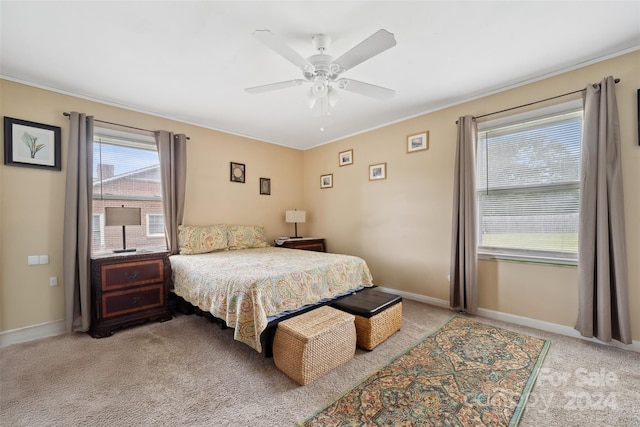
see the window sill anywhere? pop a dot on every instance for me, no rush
(530, 259)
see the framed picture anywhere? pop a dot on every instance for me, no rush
(31, 144)
(345, 158)
(418, 142)
(265, 186)
(237, 172)
(378, 171)
(326, 181)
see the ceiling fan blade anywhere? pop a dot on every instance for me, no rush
(365, 89)
(275, 86)
(281, 48)
(370, 47)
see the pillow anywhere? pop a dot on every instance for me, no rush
(246, 236)
(193, 239)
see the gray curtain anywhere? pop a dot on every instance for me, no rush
(172, 151)
(77, 224)
(603, 309)
(463, 275)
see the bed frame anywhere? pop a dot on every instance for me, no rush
(178, 304)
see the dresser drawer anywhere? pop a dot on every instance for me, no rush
(307, 244)
(317, 246)
(117, 276)
(129, 301)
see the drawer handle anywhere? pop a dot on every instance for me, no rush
(135, 300)
(132, 275)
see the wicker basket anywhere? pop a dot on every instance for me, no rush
(308, 346)
(375, 329)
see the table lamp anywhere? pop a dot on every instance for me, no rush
(295, 217)
(122, 217)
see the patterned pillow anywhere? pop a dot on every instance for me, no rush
(246, 236)
(201, 239)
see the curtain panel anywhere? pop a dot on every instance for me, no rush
(603, 309)
(463, 274)
(172, 152)
(77, 224)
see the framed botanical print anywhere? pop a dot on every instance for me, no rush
(30, 144)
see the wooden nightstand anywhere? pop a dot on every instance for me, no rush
(128, 290)
(305, 243)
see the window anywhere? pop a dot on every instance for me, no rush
(528, 185)
(126, 172)
(155, 225)
(97, 230)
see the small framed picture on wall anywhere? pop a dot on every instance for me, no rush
(345, 158)
(326, 181)
(378, 171)
(237, 172)
(418, 142)
(265, 186)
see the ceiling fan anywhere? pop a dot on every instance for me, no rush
(323, 72)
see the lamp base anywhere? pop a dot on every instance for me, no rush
(117, 251)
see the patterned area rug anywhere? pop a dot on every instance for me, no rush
(465, 374)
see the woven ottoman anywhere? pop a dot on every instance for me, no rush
(308, 346)
(378, 315)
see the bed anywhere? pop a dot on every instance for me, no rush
(252, 285)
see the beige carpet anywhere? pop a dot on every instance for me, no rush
(190, 372)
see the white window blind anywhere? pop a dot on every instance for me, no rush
(126, 172)
(97, 226)
(155, 224)
(528, 186)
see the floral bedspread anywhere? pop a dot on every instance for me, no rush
(245, 287)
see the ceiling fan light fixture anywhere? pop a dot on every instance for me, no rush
(332, 97)
(320, 86)
(311, 98)
(324, 73)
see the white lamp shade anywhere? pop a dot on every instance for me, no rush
(122, 216)
(311, 98)
(295, 216)
(333, 97)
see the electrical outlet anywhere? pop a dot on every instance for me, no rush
(53, 281)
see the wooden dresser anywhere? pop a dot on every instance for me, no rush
(305, 243)
(128, 290)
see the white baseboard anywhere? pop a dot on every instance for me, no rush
(517, 320)
(30, 333)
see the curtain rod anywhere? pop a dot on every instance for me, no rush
(537, 102)
(118, 124)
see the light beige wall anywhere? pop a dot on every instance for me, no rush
(32, 200)
(402, 225)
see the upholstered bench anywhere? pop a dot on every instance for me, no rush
(308, 346)
(378, 315)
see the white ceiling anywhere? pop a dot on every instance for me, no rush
(191, 60)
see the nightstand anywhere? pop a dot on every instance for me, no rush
(305, 243)
(127, 290)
